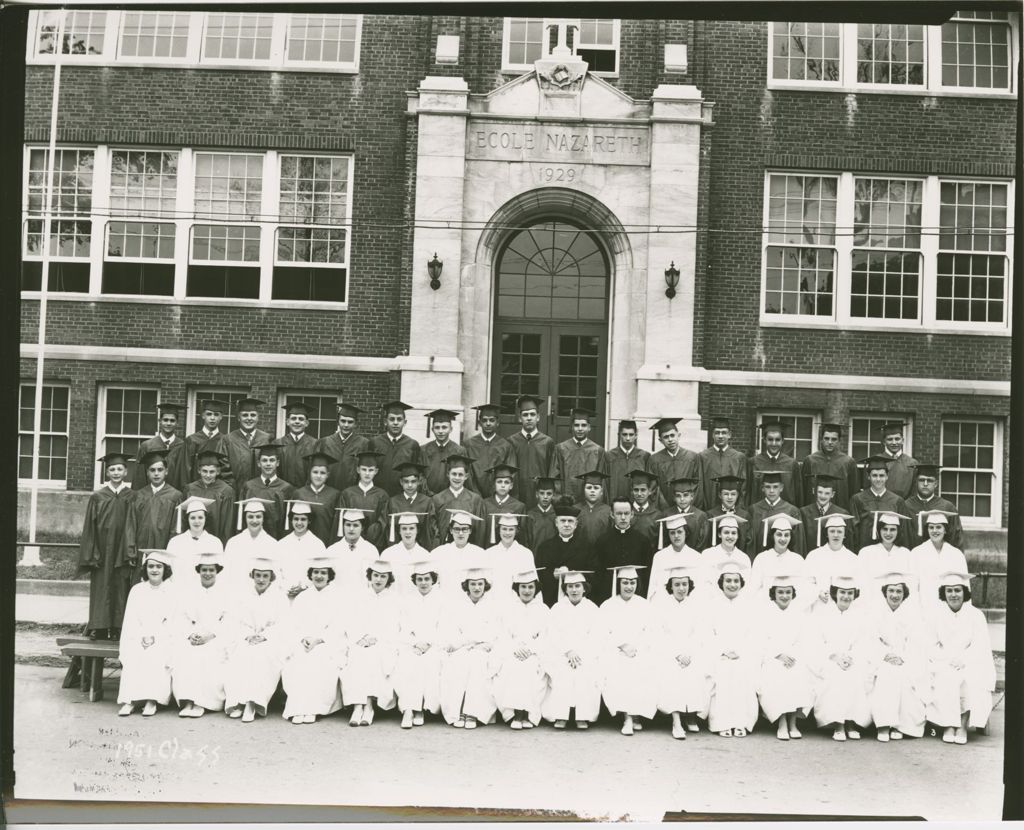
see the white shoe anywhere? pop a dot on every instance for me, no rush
(527, 724)
(516, 724)
(949, 735)
(249, 715)
(782, 733)
(739, 733)
(796, 734)
(638, 724)
(126, 710)
(679, 732)
(149, 709)
(460, 723)
(883, 735)
(580, 724)
(560, 724)
(297, 719)
(470, 723)
(309, 719)
(368, 713)
(357, 715)
(185, 711)
(693, 727)
(839, 735)
(895, 734)
(197, 711)
(853, 734)
(961, 736)
(407, 719)
(236, 712)
(627, 726)
(417, 719)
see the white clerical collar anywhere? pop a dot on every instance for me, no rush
(622, 529)
(565, 538)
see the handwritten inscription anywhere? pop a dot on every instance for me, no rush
(547, 142)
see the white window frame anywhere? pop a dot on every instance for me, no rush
(932, 84)
(995, 518)
(771, 412)
(282, 399)
(883, 418)
(616, 46)
(506, 31)
(101, 414)
(194, 57)
(196, 394)
(46, 483)
(927, 320)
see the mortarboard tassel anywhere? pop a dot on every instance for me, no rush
(178, 511)
(818, 535)
(661, 535)
(391, 532)
(494, 538)
(920, 523)
(874, 526)
(241, 510)
(765, 522)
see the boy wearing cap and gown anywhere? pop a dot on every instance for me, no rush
(434, 454)
(456, 496)
(770, 506)
(154, 507)
(901, 465)
(532, 451)
(411, 500)
(166, 440)
(488, 448)
(771, 457)
(729, 489)
(621, 544)
(501, 503)
(296, 444)
(193, 542)
(676, 554)
(207, 437)
(366, 496)
(270, 487)
(672, 462)
(220, 511)
(721, 460)
(539, 525)
(874, 498)
(576, 455)
(321, 497)
(249, 543)
(566, 550)
(828, 459)
(822, 505)
(926, 499)
(595, 515)
(395, 447)
(622, 459)
(344, 446)
(645, 508)
(406, 550)
(352, 554)
(107, 552)
(683, 491)
(297, 548)
(240, 444)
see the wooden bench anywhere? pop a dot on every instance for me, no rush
(87, 659)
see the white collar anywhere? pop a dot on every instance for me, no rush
(318, 492)
(270, 480)
(529, 434)
(454, 493)
(210, 434)
(365, 489)
(117, 489)
(158, 489)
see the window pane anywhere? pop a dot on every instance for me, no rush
(83, 32)
(238, 36)
(802, 209)
(228, 186)
(975, 53)
(154, 34)
(322, 38)
(969, 466)
(812, 50)
(889, 53)
(53, 428)
(143, 182)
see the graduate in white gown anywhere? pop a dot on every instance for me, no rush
(417, 676)
(727, 530)
(508, 557)
(933, 558)
(843, 663)
(201, 639)
(776, 560)
(352, 554)
(457, 554)
(252, 542)
(684, 686)
(370, 622)
(186, 548)
(574, 671)
(785, 684)
(886, 557)
(897, 642)
(733, 653)
(628, 656)
(677, 554)
(521, 681)
(406, 551)
(470, 628)
(258, 616)
(295, 550)
(145, 646)
(960, 660)
(830, 559)
(313, 647)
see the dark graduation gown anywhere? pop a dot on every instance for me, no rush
(862, 507)
(761, 513)
(177, 465)
(294, 468)
(510, 505)
(154, 519)
(618, 465)
(665, 467)
(745, 539)
(645, 521)
(593, 522)
(107, 553)
(714, 464)
(901, 475)
(487, 454)
(541, 526)
(571, 459)
(809, 518)
(375, 502)
(278, 492)
(199, 441)
(433, 456)
(466, 500)
(533, 458)
(395, 454)
(698, 528)
(323, 521)
(954, 530)
(792, 479)
(616, 547)
(242, 455)
(427, 523)
(557, 553)
(343, 473)
(839, 465)
(220, 516)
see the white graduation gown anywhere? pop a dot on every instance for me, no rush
(779, 689)
(468, 670)
(350, 564)
(961, 637)
(629, 683)
(842, 694)
(145, 670)
(899, 693)
(767, 565)
(522, 684)
(668, 558)
(713, 558)
(366, 671)
(573, 628)
(254, 669)
(417, 676)
(238, 555)
(310, 678)
(293, 554)
(682, 631)
(402, 559)
(734, 693)
(453, 562)
(197, 672)
(929, 565)
(185, 550)
(824, 563)
(876, 562)
(505, 563)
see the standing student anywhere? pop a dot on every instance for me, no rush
(294, 550)
(726, 529)
(771, 457)
(683, 491)
(502, 503)
(411, 500)
(507, 557)
(154, 506)
(240, 444)
(166, 440)
(368, 498)
(247, 545)
(672, 462)
(622, 459)
(926, 499)
(195, 541)
(720, 459)
(321, 497)
(764, 511)
(645, 509)
(822, 505)
(395, 447)
(434, 454)
(487, 447)
(406, 552)
(207, 437)
(595, 515)
(456, 496)
(352, 554)
(221, 496)
(728, 489)
(576, 455)
(777, 559)
(829, 460)
(456, 553)
(874, 499)
(678, 553)
(901, 466)
(296, 444)
(107, 552)
(935, 557)
(345, 446)
(540, 519)
(270, 487)
(532, 451)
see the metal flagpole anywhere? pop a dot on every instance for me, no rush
(31, 556)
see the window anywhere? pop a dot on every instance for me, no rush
(238, 37)
(597, 42)
(53, 434)
(972, 469)
(128, 417)
(85, 33)
(882, 252)
(323, 418)
(527, 39)
(155, 34)
(523, 42)
(974, 52)
(863, 436)
(801, 430)
(323, 38)
(231, 397)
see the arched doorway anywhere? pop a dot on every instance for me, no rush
(551, 324)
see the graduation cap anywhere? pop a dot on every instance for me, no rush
(725, 520)
(890, 428)
(729, 482)
(770, 476)
(462, 517)
(409, 468)
(570, 577)
(545, 482)
(952, 578)
(506, 519)
(720, 422)
(893, 578)
(458, 458)
(160, 555)
(590, 476)
(831, 520)
(171, 406)
(209, 456)
(875, 462)
(885, 517)
(529, 575)
(320, 560)
(212, 405)
(732, 566)
(249, 405)
(837, 428)
(933, 517)
(503, 470)
(843, 581)
(395, 408)
(423, 566)
(296, 507)
(627, 423)
(578, 413)
(673, 522)
(624, 572)
(440, 416)
(153, 456)
(297, 406)
(349, 410)
(349, 514)
(210, 557)
(115, 458)
(925, 469)
(262, 563)
(825, 480)
(772, 424)
(647, 477)
(778, 521)
(404, 518)
(683, 484)
(368, 458)
(526, 402)
(251, 505)
(566, 507)
(476, 572)
(192, 504)
(319, 458)
(382, 566)
(784, 581)
(486, 409)
(270, 448)
(663, 425)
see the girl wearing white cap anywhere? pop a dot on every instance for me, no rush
(370, 622)
(521, 682)
(896, 639)
(960, 660)
(508, 557)
(457, 552)
(785, 685)
(675, 555)
(885, 556)
(628, 653)
(684, 688)
(186, 548)
(257, 615)
(313, 646)
(294, 551)
(250, 543)
(935, 557)
(406, 550)
(470, 629)
(778, 559)
(417, 675)
(146, 638)
(830, 559)
(202, 637)
(573, 668)
(732, 625)
(352, 554)
(843, 661)
(726, 530)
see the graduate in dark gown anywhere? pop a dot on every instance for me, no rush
(456, 496)
(220, 514)
(771, 457)
(770, 505)
(623, 459)
(565, 550)
(532, 450)
(395, 447)
(828, 459)
(411, 500)
(368, 498)
(540, 519)
(154, 507)
(322, 499)
(296, 444)
(577, 455)
(727, 504)
(672, 461)
(488, 449)
(683, 492)
(822, 505)
(873, 500)
(268, 485)
(207, 437)
(345, 446)
(925, 499)
(721, 460)
(595, 514)
(240, 444)
(166, 439)
(501, 503)
(901, 465)
(645, 509)
(434, 454)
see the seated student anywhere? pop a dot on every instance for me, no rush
(676, 554)
(248, 544)
(628, 656)
(370, 622)
(406, 551)
(540, 519)
(573, 667)
(220, 496)
(457, 553)
(925, 500)
(566, 550)
(595, 515)
(201, 640)
(823, 506)
(645, 509)
(500, 503)
(621, 544)
(312, 647)
(832, 558)
(417, 675)
(154, 507)
(295, 549)
(727, 530)
(186, 547)
(935, 557)
(411, 501)
(683, 491)
(764, 511)
(434, 454)
(508, 558)
(728, 489)
(960, 660)
(368, 498)
(258, 617)
(732, 711)
(886, 556)
(521, 681)
(320, 496)
(778, 559)
(275, 491)
(351, 555)
(456, 496)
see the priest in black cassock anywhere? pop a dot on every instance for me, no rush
(566, 550)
